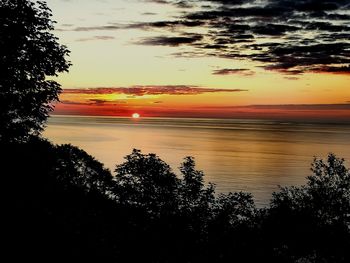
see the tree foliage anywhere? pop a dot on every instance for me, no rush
(61, 202)
(192, 190)
(311, 223)
(29, 54)
(74, 167)
(326, 196)
(66, 203)
(146, 181)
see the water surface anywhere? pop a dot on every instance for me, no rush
(236, 155)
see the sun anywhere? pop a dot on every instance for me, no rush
(135, 115)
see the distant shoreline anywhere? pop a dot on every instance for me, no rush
(263, 120)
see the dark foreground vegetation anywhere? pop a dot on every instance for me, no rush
(63, 204)
(60, 204)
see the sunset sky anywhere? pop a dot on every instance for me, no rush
(210, 58)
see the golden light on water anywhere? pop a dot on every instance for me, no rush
(135, 115)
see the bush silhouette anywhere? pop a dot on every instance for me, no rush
(312, 222)
(67, 204)
(74, 167)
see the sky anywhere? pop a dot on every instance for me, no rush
(205, 58)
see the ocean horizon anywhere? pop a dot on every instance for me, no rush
(247, 155)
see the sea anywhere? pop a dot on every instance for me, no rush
(256, 156)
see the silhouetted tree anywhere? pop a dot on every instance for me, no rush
(74, 167)
(192, 185)
(329, 190)
(233, 209)
(311, 223)
(326, 194)
(146, 181)
(195, 199)
(60, 200)
(29, 53)
(231, 226)
(64, 202)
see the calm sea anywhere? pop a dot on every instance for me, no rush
(236, 155)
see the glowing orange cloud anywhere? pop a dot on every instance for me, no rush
(150, 90)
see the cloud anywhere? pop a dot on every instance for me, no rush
(313, 112)
(334, 106)
(93, 102)
(335, 70)
(70, 102)
(66, 25)
(96, 38)
(178, 3)
(98, 101)
(149, 14)
(110, 27)
(291, 78)
(135, 25)
(301, 107)
(289, 36)
(138, 91)
(158, 1)
(169, 41)
(237, 71)
(86, 103)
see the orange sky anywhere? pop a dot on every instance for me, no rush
(163, 60)
(195, 102)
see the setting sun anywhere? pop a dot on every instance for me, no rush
(136, 115)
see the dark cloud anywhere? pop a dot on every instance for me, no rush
(149, 14)
(184, 4)
(95, 38)
(137, 25)
(98, 101)
(289, 107)
(169, 41)
(229, 71)
(66, 25)
(69, 102)
(344, 106)
(158, 1)
(179, 3)
(230, 2)
(288, 36)
(274, 29)
(291, 78)
(110, 27)
(135, 91)
(93, 102)
(191, 3)
(87, 103)
(335, 70)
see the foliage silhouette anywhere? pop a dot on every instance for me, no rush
(29, 54)
(147, 182)
(76, 168)
(67, 204)
(61, 204)
(318, 211)
(192, 190)
(56, 210)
